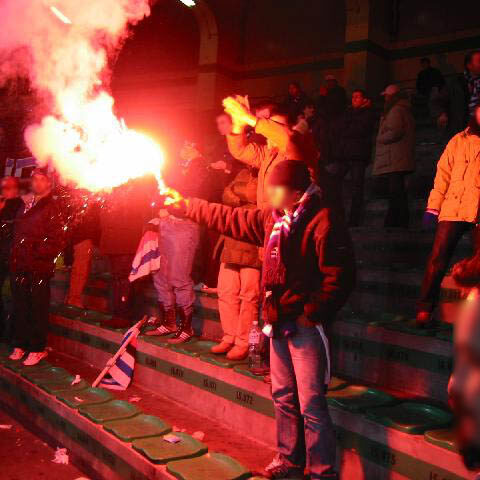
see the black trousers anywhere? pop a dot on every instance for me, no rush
(398, 214)
(357, 172)
(31, 306)
(447, 237)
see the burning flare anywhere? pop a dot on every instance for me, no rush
(64, 49)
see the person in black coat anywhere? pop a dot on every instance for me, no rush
(38, 239)
(10, 204)
(351, 139)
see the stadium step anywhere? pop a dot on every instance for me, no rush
(379, 445)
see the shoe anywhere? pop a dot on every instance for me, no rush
(222, 347)
(279, 469)
(238, 353)
(168, 326)
(424, 319)
(184, 330)
(34, 358)
(17, 354)
(75, 302)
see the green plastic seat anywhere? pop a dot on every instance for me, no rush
(357, 398)
(244, 369)
(446, 334)
(194, 348)
(64, 384)
(444, 438)
(140, 426)
(207, 467)
(94, 317)
(410, 417)
(159, 451)
(47, 375)
(158, 341)
(409, 326)
(221, 360)
(17, 366)
(336, 384)
(89, 396)
(107, 411)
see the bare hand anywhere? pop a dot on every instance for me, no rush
(238, 108)
(220, 165)
(189, 152)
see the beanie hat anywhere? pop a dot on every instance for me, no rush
(292, 174)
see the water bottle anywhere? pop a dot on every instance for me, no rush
(255, 359)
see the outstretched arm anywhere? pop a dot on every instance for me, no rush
(245, 224)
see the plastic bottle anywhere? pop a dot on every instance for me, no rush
(255, 358)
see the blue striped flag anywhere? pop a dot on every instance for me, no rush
(121, 373)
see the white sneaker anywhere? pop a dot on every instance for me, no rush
(17, 354)
(34, 358)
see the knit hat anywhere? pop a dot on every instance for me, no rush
(292, 174)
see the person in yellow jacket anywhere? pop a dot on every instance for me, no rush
(454, 203)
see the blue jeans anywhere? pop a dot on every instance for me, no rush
(305, 435)
(178, 241)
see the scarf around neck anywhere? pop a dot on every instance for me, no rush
(274, 270)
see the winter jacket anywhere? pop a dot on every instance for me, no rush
(395, 149)
(125, 212)
(352, 135)
(242, 192)
(38, 238)
(319, 262)
(288, 146)
(456, 189)
(8, 215)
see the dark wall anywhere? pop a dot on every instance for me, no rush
(286, 29)
(419, 19)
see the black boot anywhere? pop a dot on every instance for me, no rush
(184, 331)
(168, 323)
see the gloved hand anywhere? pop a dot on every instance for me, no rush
(430, 220)
(174, 202)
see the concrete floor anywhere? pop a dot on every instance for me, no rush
(23, 456)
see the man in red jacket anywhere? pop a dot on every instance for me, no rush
(308, 273)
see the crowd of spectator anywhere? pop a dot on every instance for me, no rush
(297, 262)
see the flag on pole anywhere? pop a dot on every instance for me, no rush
(120, 374)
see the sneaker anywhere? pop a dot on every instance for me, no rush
(238, 353)
(279, 469)
(160, 331)
(34, 358)
(17, 354)
(222, 347)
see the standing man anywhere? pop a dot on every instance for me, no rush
(239, 276)
(10, 204)
(428, 78)
(453, 203)
(308, 274)
(395, 154)
(455, 106)
(352, 138)
(37, 242)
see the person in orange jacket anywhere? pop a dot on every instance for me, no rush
(454, 204)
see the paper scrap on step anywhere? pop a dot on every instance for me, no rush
(5, 427)
(76, 380)
(61, 456)
(198, 435)
(134, 399)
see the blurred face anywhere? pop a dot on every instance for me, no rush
(282, 198)
(293, 90)
(309, 111)
(464, 385)
(474, 65)
(477, 116)
(41, 185)
(263, 112)
(357, 99)
(9, 188)
(425, 65)
(224, 125)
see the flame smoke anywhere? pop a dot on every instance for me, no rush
(64, 47)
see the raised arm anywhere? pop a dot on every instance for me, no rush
(251, 153)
